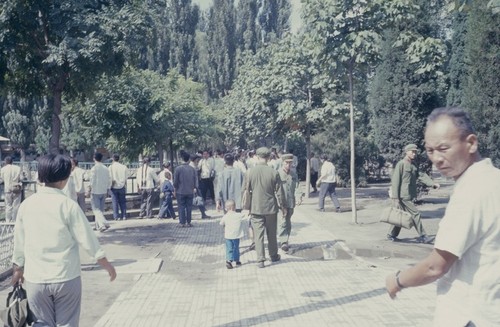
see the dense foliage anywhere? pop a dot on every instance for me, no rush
(356, 81)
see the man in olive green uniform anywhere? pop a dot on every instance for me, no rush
(404, 191)
(290, 182)
(266, 198)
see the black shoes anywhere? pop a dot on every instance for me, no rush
(425, 239)
(285, 247)
(392, 238)
(229, 265)
(238, 263)
(206, 217)
(276, 258)
(338, 210)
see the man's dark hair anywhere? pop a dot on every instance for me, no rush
(229, 159)
(53, 168)
(324, 157)
(8, 160)
(116, 157)
(460, 118)
(185, 156)
(98, 156)
(194, 157)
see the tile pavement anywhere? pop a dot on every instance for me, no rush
(299, 290)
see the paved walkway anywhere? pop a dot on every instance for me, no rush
(319, 282)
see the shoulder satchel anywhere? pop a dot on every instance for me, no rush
(16, 188)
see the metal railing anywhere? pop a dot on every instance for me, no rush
(6, 246)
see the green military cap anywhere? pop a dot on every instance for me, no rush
(263, 152)
(287, 157)
(411, 147)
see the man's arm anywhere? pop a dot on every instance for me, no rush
(426, 271)
(396, 181)
(426, 180)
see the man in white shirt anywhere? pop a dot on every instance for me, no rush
(100, 183)
(49, 231)
(207, 175)
(119, 175)
(327, 183)
(79, 176)
(147, 180)
(11, 177)
(466, 255)
(314, 162)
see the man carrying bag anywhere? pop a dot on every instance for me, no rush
(404, 191)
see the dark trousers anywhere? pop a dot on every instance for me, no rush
(167, 208)
(206, 185)
(314, 179)
(119, 203)
(185, 207)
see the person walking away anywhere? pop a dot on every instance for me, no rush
(119, 176)
(466, 256)
(233, 223)
(79, 178)
(404, 191)
(100, 183)
(207, 174)
(314, 163)
(146, 180)
(267, 197)
(290, 183)
(185, 184)
(49, 231)
(229, 184)
(327, 182)
(167, 193)
(198, 199)
(11, 177)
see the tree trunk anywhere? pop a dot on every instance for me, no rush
(55, 136)
(353, 166)
(308, 157)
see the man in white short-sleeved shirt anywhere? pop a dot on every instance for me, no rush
(466, 254)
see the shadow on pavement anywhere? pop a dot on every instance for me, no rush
(316, 306)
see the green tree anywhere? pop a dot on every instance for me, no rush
(182, 22)
(481, 96)
(347, 34)
(221, 48)
(400, 100)
(58, 46)
(457, 66)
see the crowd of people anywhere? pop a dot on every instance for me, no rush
(258, 190)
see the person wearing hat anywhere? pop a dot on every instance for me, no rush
(266, 196)
(290, 183)
(404, 191)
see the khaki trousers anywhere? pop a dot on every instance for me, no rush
(265, 224)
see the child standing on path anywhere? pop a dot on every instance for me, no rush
(167, 193)
(233, 231)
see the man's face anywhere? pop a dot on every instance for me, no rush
(449, 152)
(287, 164)
(411, 154)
